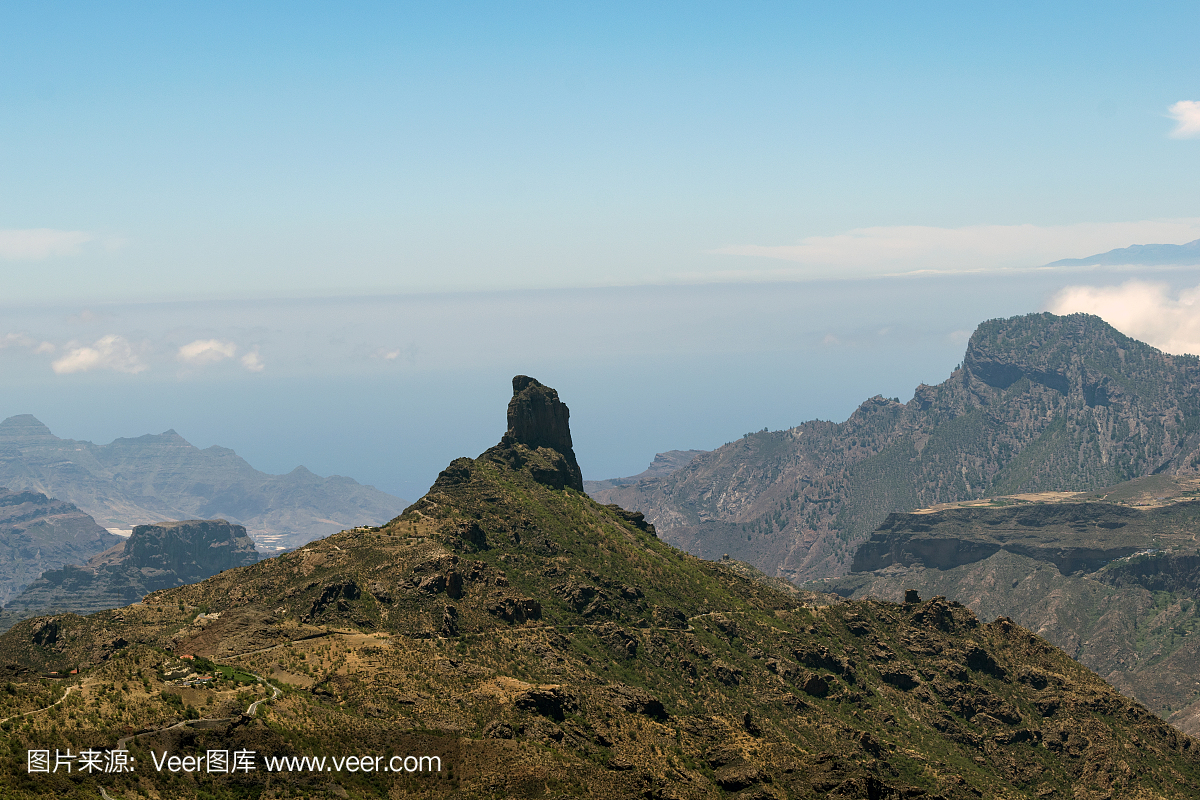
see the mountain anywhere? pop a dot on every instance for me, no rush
(38, 533)
(663, 464)
(1139, 254)
(158, 478)
(1111, 577)
(1040, 402)
(154, 557)
(539, 644)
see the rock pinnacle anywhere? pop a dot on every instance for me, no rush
(537, 419)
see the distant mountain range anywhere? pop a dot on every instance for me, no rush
(159, 478)
(1150, 255)
(1040, 402)
(663, 465)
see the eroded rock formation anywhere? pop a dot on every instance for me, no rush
(155, 557)
(538, 438)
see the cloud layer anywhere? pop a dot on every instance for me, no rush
(23, 340)
(866, 252)
(117, 353)
(1140, 309)
(109, 352)
(1186, 114)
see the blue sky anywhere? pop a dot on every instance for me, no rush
(316, 196)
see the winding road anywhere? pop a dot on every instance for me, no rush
(205, 723)
(66, 694)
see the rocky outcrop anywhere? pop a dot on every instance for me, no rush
(538, 439)
(188, 551)
(161, 477)
(1098, 533)
(1040, 402)
(537, 418)
(154, 557)
(1116, 587)
(38, 533)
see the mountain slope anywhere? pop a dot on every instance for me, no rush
(1040, 402)
(38, 533)
(539, 644)
(158, 478)
(1112, 577)
(1140, 254)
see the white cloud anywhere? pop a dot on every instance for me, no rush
(912, 249)
(21, 340)
(1186, 114)
(109, 352)
(206, 351)
(388, 355)
(252, 362)
(34, 244)
(1140, 309)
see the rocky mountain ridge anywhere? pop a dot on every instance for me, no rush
(159, 478)
(154, 557)
(38, 533)
(541, 644)
(1040, 402)
(1142, 254)
(1112, 577)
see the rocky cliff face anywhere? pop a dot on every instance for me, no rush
(1075, 537)
(157, 478)
(1117, 587)
(537, 418)
(1040, 402)
(38, 533)
(188, 551)
(154, 557)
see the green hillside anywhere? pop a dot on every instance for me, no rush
(1111, 577)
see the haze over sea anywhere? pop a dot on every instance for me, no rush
(330, 237)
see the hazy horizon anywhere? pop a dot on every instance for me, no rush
(387, 390)
(330, 237)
